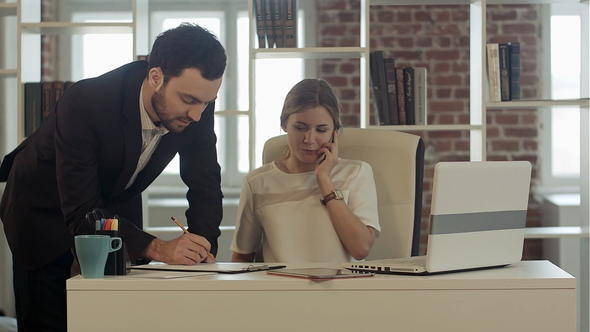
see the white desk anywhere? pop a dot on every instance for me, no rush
(528, 296)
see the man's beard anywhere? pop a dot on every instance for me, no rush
(160, 107)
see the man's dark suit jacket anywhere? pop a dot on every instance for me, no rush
(83, 156)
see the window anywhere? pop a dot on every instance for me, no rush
(560, 137)
(229, 21)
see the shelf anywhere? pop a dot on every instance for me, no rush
(538, 103)
(528, 2)
(429, 127)
(231, 113)
(8, 9)
(8, 72)
(61, 28)
(467, 2)
(554, 232)
(419, 2)
(309, 53)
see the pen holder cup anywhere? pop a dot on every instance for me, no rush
(117, 261)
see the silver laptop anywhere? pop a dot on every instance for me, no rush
(477, 219)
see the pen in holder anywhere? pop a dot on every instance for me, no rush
(118, 262)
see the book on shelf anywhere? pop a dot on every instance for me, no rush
(504, 60)
(270, 36)
(39, 100)
(375, 89)
(409, 95)
(401, 100)
(33, 108)
(290, 23)
(391, 90)
(58, 89)
(493, 70)
(260, 23)
(379, 88)
(277, 22)
(47, 89)
(141, 57)
(420, 95)
(514, 70)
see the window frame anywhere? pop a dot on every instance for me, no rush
(549, 183)
(147, 20)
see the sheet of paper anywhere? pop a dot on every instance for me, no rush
(209, 267)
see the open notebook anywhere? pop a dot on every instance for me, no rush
(477, 219)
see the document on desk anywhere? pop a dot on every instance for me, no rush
(231, 268)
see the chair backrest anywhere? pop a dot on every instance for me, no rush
(397, 160)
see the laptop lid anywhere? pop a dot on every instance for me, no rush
(478, 214)
(477, 219)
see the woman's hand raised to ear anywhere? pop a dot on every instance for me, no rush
(329, 160)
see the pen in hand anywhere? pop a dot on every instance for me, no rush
(186, 232)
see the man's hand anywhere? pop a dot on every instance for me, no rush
(188, 249)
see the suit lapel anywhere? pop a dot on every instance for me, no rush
(131, 122)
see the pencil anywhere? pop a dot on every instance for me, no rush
(186, 232)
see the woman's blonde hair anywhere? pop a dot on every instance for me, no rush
(310, 93)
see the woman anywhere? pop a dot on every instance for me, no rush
(311, 206)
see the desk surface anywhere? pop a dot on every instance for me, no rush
(523, 275)
(528, 296)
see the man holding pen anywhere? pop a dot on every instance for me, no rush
(105, 142)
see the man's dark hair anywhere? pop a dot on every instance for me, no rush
(188, 46)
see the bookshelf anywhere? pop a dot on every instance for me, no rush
(479, 104)
(31, 28)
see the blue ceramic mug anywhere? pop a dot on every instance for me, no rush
(92, 252)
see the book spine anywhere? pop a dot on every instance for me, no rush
(401, 100)
(504, 57)
(421, 95)
(515, 70)
(58, 89)
(409, 95)
(290, 25)
(277, 22)
(33, 107)
(384, 110)
(47, 99)
(391, 90)
(493, 67)
(260, 24)
(268, 11)
(374, 81)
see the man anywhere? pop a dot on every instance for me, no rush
(108, 138)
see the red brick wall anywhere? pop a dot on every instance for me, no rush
(437, 37)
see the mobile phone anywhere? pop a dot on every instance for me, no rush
(323, 157)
